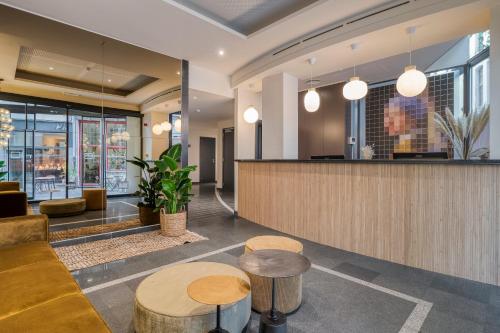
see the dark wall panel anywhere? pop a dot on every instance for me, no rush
(323, 132)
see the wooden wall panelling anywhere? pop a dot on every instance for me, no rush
(443, 218)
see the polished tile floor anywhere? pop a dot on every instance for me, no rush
(343, 292)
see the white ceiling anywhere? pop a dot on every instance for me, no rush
(161, 26)
(246, 16)
(203, 107)
(438, 28)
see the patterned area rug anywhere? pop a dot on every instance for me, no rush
(102, 251)
(93, 230)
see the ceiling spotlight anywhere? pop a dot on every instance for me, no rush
(195, 97)
(109, 80)
(221, 52)
(178, 73)
(412, 82)
(251, 115)
(51, 68)
(198, 110)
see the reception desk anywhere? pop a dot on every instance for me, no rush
(442, 216)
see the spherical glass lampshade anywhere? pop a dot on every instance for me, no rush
(412, 82)
(166, 126)
(355, 89)
(311, 100)
(178, 124)
(251, 115)
(157, 130)
(125, 136)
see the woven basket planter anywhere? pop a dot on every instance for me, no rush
(172, 225)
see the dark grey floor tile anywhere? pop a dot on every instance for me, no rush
(470, 289)
(455, 305)
(439, 322)
(356, 271)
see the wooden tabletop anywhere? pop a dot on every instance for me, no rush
(218, 289)
(268, 242)
(274, 263)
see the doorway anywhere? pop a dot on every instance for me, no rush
(207, 160)
(228, 159)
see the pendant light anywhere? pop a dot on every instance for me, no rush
(311, 99)
(178, 124)
(355, 89)
(412, 82)
(251, 115)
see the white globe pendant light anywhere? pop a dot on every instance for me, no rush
(166, 126)
(311, 98)
(157, 130)
(178, 124)
(412, 82)
(355, 89)
(251, 115)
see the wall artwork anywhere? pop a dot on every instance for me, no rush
(399, 124)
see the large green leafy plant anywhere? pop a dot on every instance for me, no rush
(464, 130)
(3, 174)
(149, 185)
(175, 182)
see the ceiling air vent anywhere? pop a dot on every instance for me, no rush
(338, 26)
(378, 12)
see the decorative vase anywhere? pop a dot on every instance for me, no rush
(147, 216)
(172, 225)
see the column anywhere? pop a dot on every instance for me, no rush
(280, 117)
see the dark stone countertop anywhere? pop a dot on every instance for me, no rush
(402, 161)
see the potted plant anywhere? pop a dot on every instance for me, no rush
(464, 130)
(149, 190)
(175, 192)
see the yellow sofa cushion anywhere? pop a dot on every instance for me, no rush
(62, 207)
(9, 186)
(95, 197)
(23, 229)
(25, 254)
(71, 313)
(29, 285)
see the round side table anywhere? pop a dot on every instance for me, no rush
(274, 264)
(218, 290)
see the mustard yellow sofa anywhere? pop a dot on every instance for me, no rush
(38, 293)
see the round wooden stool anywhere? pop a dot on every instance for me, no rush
(288, 289)
(218, 290)
(162, 303)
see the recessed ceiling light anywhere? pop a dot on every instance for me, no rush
(195, 97)
(221, 52)
(178, 73)
(109, 80)
(198, 110)
(51, 68)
